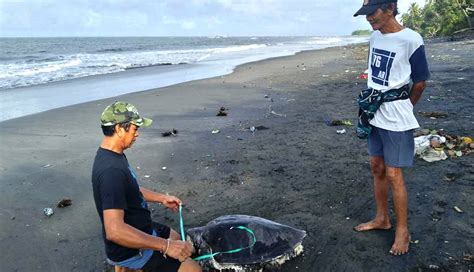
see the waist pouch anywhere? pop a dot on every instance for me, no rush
(370, 100)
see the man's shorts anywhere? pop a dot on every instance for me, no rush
(396, 147)
(157, 262)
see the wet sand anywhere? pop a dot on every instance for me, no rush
(298, 172)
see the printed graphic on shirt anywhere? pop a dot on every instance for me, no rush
(143, 202)
(381, 64)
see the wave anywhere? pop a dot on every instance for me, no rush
(110, 50)
(325, 40)
(33, 69)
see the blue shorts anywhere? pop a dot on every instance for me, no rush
(149, 260)
(396, 147)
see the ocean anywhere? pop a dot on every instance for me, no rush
(39, 74)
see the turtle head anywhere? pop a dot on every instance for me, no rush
(194, 235)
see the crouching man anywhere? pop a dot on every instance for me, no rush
(132, 240)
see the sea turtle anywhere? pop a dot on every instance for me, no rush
(262, 243)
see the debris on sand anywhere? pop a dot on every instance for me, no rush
(467, 257)
(215, 131)
(456, 208)
(169, 133)
(222, 112)
(48, 212)
(64, 203)
(432, 147)
(253, 129)
(466, 140)
(278, 114)
(341, 131)
(429, 148)
(450, 177)
(434, 114)
(337, 122)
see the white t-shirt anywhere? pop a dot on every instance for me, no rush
(396, 59)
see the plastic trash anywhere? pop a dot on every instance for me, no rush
(278, 114)
(466, 140)
(341, 131)
(428, 147)
(215, 131)
(48, 211)
(169, 133)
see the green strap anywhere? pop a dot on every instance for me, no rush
(183, 237)
(181, 224)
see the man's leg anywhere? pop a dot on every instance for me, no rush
(381, 220)
(189, 266)
(394, 176)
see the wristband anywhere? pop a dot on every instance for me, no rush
(167, 247)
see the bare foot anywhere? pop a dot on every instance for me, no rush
(401, 244)
(374, 225)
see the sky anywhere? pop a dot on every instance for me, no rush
(53, 18)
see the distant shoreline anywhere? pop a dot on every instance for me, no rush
(23, 101)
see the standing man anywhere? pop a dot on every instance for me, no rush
(131, 239)
(396, 59)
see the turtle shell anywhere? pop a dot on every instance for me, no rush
(275, 243)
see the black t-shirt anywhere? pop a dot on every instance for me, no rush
(115, 187)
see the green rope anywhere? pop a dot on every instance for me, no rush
(183, 237)
(181, 224)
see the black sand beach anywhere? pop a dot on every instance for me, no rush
(298, 171)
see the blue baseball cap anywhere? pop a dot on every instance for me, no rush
(370, 6)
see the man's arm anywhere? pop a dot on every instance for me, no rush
(169, 201)
(416, 91)
(121, 233)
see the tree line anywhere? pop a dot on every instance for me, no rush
(440, 17)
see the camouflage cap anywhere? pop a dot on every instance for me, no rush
(121, 112)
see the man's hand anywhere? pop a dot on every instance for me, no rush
(168, 201)
(180, 250)
(171, 202)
